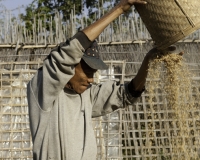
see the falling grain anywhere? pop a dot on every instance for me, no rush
(172, 71)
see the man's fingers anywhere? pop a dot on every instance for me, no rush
(126, 4)
(171, 48)
(181, 53)
(140, 2)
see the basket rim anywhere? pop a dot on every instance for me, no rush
(177, 37)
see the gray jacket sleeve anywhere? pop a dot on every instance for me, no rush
(57, 70)
(109, 96)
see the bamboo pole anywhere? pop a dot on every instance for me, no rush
(26, 46)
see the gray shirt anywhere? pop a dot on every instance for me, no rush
(60, 119)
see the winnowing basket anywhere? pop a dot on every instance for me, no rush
(169, 21)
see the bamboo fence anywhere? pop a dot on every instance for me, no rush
(119, 135)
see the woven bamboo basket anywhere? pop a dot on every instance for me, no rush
(169, 21)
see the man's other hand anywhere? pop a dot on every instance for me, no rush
(153, 53)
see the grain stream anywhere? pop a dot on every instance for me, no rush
(172, 120)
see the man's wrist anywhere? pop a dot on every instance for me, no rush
(133, 91)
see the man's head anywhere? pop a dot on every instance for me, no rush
(85, 70)
(82, 78)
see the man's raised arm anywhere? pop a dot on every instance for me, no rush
(95, 29)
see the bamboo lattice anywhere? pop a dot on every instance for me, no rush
(120, 135)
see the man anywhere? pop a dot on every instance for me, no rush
(62, 99)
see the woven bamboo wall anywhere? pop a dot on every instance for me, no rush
(120, 135)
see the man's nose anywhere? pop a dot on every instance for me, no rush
(90, 80)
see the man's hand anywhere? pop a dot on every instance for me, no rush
(140, 78)
(126, 4)
(153, 53)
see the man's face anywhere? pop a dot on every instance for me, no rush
(82, 78)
